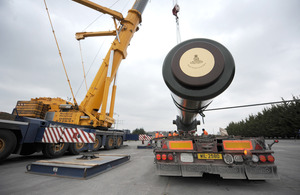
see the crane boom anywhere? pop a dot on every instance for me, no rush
(97, 94)
(86, 114)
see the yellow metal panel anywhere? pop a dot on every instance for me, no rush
(181, 145)
(237, 144)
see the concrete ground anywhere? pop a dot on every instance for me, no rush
(138, 177)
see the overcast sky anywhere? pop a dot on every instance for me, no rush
(263, 37)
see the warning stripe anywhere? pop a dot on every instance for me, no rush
(69, 135)
(74, 135)
(84, 136)
(144, 137)
(52, 135)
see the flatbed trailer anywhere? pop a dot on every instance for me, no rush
(196, 71)
(230, 157)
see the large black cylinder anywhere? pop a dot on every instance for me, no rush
(196, 71)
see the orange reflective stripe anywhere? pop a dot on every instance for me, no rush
(181, 145)
(237, 145)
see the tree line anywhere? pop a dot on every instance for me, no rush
(280, 120)
(139, 131)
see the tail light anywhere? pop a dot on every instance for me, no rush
(158, 156)
(271, 158)
(262, 158)
(164, 157)
(170, 157)
(238, 158)
(247, 153)
(255, 158)
(228, 159)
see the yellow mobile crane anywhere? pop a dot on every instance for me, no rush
(53, 125)
(86, 114)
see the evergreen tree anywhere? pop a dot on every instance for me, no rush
(139, 131)
(281, 120)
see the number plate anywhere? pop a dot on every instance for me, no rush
(186, 157)
(209, 156)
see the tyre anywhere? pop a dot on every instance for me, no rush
(109, 143)
(98, 143)
(8, 143)
(119, 142)
(28, 149)
(55, 150)
(76, 148)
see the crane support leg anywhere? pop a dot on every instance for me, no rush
(75, 168)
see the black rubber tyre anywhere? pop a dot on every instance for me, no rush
(8, 143)
(55, 150)
(119, 142)
(28, 149)
(76, 148)
(98, 143)
(109, 143)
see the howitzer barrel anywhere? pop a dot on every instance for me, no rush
(196, 71)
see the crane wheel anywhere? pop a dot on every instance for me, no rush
(76, 148)
(28, 149)
(98, 143)
(52, 150)
(8, 143)
(109, 143)
(119, 142)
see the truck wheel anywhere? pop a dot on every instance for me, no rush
(109, 143)
(119, 142)
(75, 148)
(28, 149)
(55, 150)
(98, 143)
(8, 143)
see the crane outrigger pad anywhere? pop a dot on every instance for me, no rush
(76, 168)
(145, 147)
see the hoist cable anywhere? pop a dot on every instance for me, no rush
(175, 11)
(82, 66)
(90, 66)
(251, 105)
(98, 17)
(178, 32)
(60, 53)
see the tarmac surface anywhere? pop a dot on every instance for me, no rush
(138, 177)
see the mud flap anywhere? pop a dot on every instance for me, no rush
(261, 172)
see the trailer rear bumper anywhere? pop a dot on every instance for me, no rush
(225, 171)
